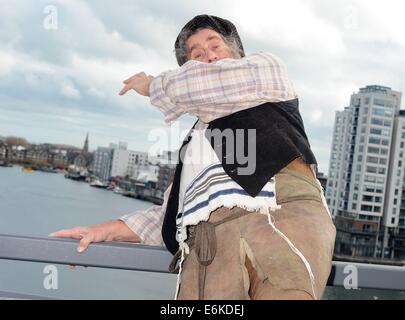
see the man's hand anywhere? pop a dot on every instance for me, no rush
(139, 82)
(108, 231)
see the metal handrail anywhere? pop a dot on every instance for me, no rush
(119, 255)
(115, 255)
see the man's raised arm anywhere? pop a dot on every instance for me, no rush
(214, 90)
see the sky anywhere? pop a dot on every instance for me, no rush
(62, 63)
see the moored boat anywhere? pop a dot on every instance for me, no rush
(99, 184)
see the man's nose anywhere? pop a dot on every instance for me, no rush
(212, 56)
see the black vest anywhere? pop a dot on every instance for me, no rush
(279, 139)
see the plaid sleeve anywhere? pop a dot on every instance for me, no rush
(148, 224)
(214, 90)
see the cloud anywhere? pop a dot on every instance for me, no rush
(69, 90)
(289, 25)
(7, 63)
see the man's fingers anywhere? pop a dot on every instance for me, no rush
(127, 80)
(80, 233)
(84, 243)
(125, 89)
(140, 74)
(75, 233)
(61, 234)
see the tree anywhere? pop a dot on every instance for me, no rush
(16, 141)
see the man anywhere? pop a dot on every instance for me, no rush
(266, 234)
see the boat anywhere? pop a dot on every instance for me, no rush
(5, 164)
(47, 169)
(27, 169)
(75, 176)
(119, 190)
(99, 184)
(130, 194)
(154, 200)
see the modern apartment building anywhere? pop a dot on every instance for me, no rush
(393, 231)
(102, 162)
(126, 162)
(365, 180)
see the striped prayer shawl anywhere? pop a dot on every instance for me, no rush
(205, 186)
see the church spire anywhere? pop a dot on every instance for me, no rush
(86, 144)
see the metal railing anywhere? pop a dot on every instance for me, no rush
(157, 259)
(115, 255)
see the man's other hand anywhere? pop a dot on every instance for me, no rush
(108, 231)
(139, 82)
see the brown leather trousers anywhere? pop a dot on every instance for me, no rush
(238, 255)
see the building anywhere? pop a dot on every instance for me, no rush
(85, 158)
(148, 175)
(393, 224)
(4, 150)
(364, 185)
(165, 176)
(103, 158)
(166, 163)
(126, 162)
(156, 171)
(322, 179)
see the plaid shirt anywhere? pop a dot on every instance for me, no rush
(148, 224)
(210, 91)
(214, 90)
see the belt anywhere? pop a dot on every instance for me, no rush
(203, 241)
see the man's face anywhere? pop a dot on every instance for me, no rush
(207, 46)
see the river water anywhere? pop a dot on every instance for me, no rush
(38, 203)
